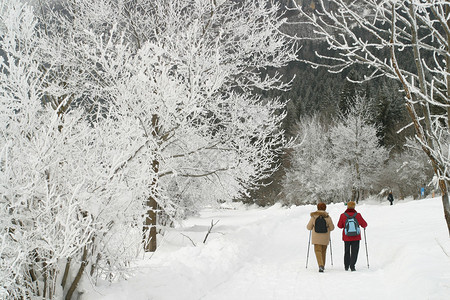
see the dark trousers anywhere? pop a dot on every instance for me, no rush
(351, 254)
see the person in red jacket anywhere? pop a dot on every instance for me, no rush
(351, 243)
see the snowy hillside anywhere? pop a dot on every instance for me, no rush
(260, 253)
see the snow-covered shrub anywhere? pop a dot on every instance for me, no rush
(406, 172)
(69, 190)
(337, 162)
(355, 146)
(313, 175)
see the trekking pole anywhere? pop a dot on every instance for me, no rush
(367, 253)
(331, 252)
(307, 255)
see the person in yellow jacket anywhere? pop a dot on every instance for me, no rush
(319, 239)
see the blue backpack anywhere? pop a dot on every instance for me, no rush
(351, 225)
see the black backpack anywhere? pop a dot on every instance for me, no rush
(320, 226)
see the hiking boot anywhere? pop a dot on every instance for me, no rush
(353, 269)
(346, 268)
(321, 269)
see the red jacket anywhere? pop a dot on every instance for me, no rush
(362, 223)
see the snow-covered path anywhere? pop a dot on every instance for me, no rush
(261, 254)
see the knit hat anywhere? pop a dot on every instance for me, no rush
(351, 204)
(321, 206)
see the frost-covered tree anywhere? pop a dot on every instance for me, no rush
(72, 201)
(187, 78)
(406, 172)
(355, 145)
(313, 176)
(375, 33)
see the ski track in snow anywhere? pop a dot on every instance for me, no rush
(260, 253)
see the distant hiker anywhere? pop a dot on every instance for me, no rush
(390, 198)
(350, 221)
(320, 225)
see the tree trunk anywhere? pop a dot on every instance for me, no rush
(445, 200)
(355, 195)
(447, 13)
(150, 226)
(77, 278)
(443, 185)
(66, 273)
(152, 205)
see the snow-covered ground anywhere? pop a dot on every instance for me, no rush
(260, 253)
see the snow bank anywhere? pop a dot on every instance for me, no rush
(259, 253)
